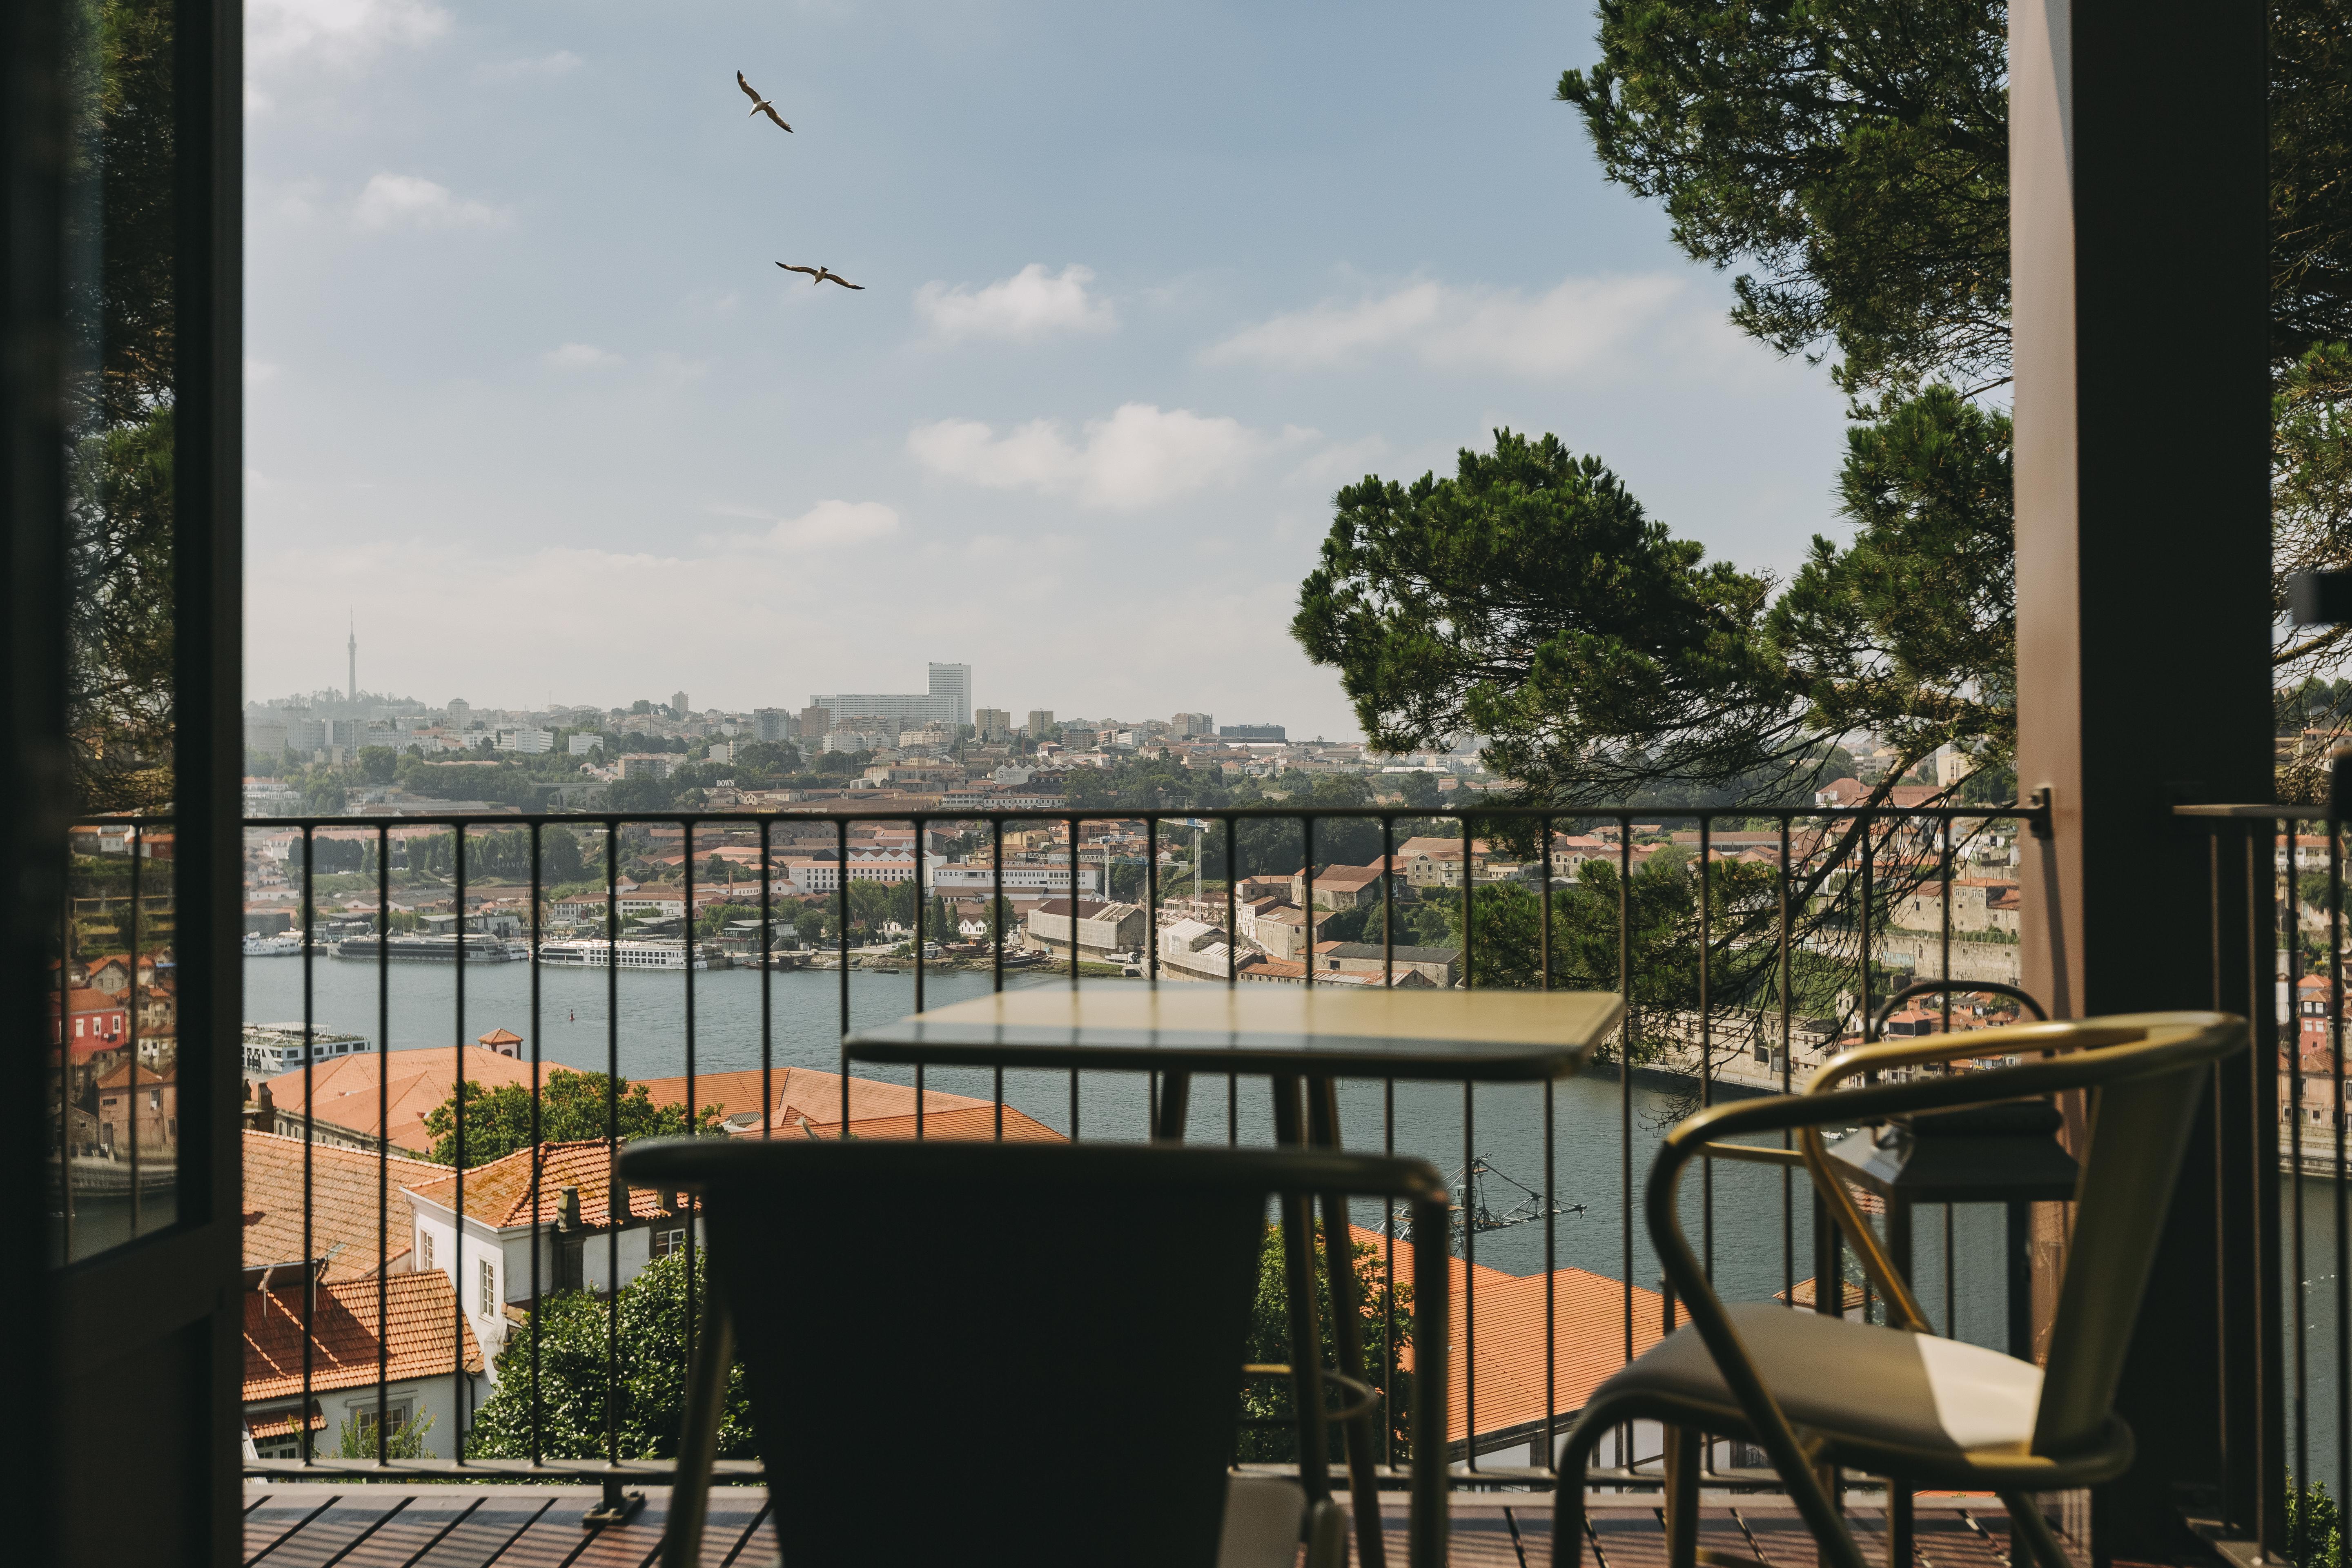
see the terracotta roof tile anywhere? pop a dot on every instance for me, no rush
(1588, 1344)
(418, 1083)
(344, 1200)
(425, 1336)
(499, 1193)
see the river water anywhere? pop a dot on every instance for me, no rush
(571, 1028)
(805, 1012)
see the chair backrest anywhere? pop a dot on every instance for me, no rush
(976, 1350)
(2139, 1127)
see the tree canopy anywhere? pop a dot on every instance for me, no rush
(572, 1106)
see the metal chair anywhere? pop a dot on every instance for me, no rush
(1815, 1391)
(981, 1352)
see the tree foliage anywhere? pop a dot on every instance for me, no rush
(572, 1106)
(1855, 152)
(1270, 1343)
(647, 1382)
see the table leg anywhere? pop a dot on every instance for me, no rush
(1348, 1333)
(1175, 1097)
(2019, 1239)
(1899, 1542)
(1298, 1283)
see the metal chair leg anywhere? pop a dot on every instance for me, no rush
(1568, 1495)
(1681, 1497)
(698, 1443)
(1901, 1535)
(2025, 1522)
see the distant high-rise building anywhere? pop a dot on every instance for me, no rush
(1252, 733)
(1040, 721)
(353, 695)
(994, 725)
(460, 711)
(1187, 725)
(771, 724)
(815, 723)
(678, 703)
(949, 702)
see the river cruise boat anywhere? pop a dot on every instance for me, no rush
(590, 953)
(479, 949)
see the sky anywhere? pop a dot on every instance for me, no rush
(530, 402)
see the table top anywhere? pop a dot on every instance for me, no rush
(1485, 1036)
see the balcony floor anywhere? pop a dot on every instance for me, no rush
(460, 1525)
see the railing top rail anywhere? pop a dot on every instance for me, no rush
(2255, 813)
(1062, 814)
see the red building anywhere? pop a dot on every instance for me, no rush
(92, 1021)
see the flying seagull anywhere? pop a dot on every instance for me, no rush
(822, 275)
(759, 105)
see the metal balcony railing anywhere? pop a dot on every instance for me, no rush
(1767, 937)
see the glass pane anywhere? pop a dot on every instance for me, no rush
(115, 1017)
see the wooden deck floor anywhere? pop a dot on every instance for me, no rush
(317, 1525)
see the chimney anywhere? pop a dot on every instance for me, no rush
(567, 1211)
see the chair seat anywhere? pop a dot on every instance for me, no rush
(1855, 1384)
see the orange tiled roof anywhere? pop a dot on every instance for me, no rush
(499, 1193)
(419, 1083)
(342, 1195)
(423, 1335)
(116, 1079)
(1587, 1344)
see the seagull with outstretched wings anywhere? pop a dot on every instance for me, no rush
(759, 105)
(821, 275)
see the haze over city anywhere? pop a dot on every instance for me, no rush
(527, 394)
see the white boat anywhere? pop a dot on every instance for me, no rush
(285, 944)
(592, 952)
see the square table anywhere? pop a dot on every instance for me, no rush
(1312, 1035)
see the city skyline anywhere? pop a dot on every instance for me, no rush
(1084, 424)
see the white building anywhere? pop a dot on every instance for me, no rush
(1020, 883)
(274, 1048)
(488, 1257)
(583, 745)
(949, 702)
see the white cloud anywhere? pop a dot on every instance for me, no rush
(408, 200)
(563, 62)
(1029, 304)
(1570, 327)
(341, 35)
(579, 357)
(835, 522)
(1140, 456)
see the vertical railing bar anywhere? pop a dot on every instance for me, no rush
(996, 930)
(458, 1098)
(1233, 976)
(1307, 928)
(686, 833)
(919, 1095)
(138, 843)
(1151, 900)
(65, 1074)
(2343, 1220)
(1787, 1062)
(767, 978)
(614, 1214)
(1073, 962)
(309, 1139)
(1869, 868)
(1550, 1201)
(1387, 902)
(1469, 943)
(1469, 1258)
(1951, 1297)
(538, 1136)
(1625, 1061)
(2291, 917)
(1388, 1272)
(383, 1136)
(1706, 1031)
(841, 889)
